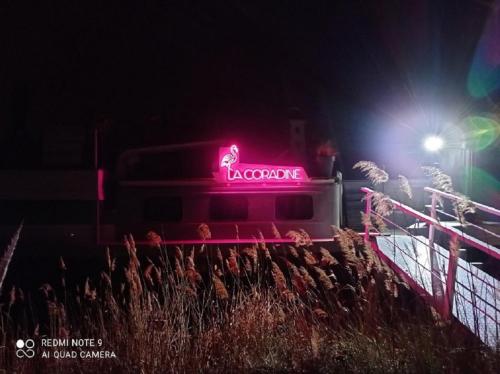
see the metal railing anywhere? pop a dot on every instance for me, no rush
(454, 287)
(484, 244)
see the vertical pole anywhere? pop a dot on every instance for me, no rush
(97, 195)
(437, 286)
(468, 158)
(432, 230)
(451, 276)
(368, 211)
(96, 150)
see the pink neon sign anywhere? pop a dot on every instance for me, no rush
(232, 171)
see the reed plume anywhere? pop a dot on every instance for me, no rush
(278, 277)
(324, 279)
(326, 258)
(307, 277)
(275, 231)
(232, 262)
(204, 231)
(440, 180)
(374, 174)
(404, 186)
(219, 287)
(443, 182)
(308, 257)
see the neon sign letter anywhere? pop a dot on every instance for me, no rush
(232, 171)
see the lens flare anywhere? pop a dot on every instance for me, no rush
(484, 73)
(486, 188)
(481, 132)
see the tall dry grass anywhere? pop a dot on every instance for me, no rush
(443, 182)
(7, 256)
(261, 308)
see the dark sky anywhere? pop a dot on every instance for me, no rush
(165, 71)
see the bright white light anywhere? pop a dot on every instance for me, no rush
(433, 143)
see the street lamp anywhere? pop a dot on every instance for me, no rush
(459, 164)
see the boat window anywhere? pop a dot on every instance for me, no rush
(294, 207)
(34, 212)
(163, 209)
(227, 208)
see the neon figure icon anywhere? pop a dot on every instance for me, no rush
(229, 158)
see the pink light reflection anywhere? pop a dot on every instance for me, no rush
(100, 184)
(228, 241)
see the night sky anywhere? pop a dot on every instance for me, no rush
(367, 74)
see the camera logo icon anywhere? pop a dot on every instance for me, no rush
(25, 348)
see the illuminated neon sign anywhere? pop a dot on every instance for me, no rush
(232, 171)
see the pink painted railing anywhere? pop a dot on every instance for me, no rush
(448, 292)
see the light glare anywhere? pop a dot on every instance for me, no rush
(433, 143)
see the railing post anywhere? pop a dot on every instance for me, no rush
(432, 230)
(437, 286)
(368, 211)
(451, 276)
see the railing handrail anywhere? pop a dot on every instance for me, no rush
(482, 246)
(437, 253)
(488, 232)
(484, 208)
(447, 290)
